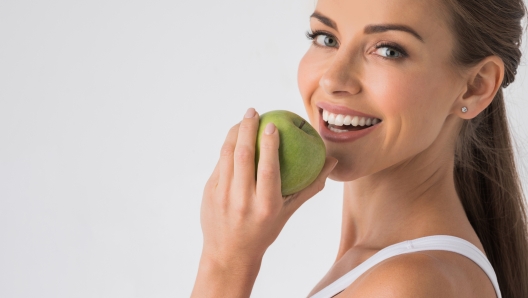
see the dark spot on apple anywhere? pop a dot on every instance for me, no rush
(302, 124)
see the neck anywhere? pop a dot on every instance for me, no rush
(410, 200)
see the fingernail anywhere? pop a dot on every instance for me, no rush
(270, 128)
(250, 113)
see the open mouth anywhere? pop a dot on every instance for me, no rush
(343, 123)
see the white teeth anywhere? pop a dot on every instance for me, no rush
(347, 120)
(340, 120)
(355, 121)
(337, 130)
(362, 121)
(331, 118)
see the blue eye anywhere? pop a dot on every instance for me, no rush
(390, 51)
(328, 41)
(322, 39)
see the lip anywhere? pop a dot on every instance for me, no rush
(342, 110)
(343, 137)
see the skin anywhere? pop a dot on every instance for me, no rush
(398, 180)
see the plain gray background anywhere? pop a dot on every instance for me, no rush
(112, 114)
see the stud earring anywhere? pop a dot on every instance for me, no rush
(464, 109)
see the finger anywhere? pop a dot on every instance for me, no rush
(268, 172)
(225, 163)
(295, 201)
(244, 158)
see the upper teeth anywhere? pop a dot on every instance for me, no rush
(339, 120)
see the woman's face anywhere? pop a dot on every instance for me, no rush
(402, 76)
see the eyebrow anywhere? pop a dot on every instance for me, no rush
(325, 20)
(369, 29)
(386, 27)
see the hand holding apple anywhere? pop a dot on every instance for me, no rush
(242, 216)
(302, 152)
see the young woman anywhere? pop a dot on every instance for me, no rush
(407, 95)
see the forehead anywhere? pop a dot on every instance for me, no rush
(426, 17)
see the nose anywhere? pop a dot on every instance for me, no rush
(342, 76)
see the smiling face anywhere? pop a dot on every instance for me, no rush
(388, 60)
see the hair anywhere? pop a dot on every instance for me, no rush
(486, 178)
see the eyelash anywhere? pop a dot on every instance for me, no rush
(312, 36)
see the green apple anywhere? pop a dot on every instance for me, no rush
(302, 152)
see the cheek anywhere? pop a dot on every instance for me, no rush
(393, 92)
(412, 104)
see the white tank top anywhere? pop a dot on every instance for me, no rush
(435, 242)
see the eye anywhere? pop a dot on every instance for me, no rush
(390, 51)
(328, 41)
(322, 39)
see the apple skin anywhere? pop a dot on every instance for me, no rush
(302, 152)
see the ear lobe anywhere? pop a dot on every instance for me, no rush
(483, 83)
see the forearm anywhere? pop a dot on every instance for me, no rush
(225, 280)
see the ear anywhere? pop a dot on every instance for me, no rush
(483, 82)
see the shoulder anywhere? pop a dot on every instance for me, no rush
(409, 275)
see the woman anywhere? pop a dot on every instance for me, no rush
(432, 202)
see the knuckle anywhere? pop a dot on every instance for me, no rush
(266, 172)
(227, 150)
(222, 200)
(241, 208)
(268, 145)
(246, 126)
(264, 214)
(244, 155)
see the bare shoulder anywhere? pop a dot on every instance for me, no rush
(409, 275)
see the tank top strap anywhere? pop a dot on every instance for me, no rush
(434, 242)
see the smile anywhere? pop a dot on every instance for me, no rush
(343, 123)
(340, 124)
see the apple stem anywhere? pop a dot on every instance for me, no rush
(302, 124)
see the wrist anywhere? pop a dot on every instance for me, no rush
(232, 265)
(225, 278)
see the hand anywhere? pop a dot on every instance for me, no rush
(240, 216)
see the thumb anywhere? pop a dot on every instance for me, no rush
(295, 200)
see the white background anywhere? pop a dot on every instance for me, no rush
(112, 114)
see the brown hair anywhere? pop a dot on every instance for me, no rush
(486, 177)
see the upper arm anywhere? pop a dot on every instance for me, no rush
(409, 275)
